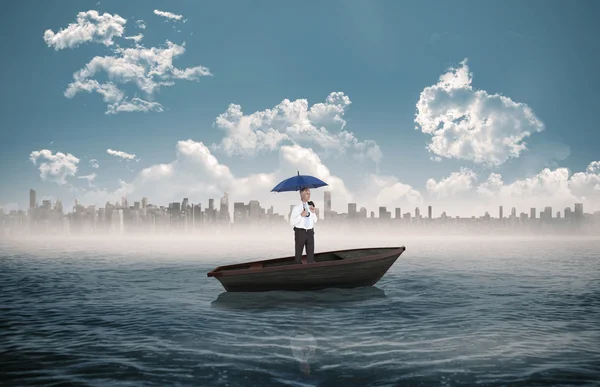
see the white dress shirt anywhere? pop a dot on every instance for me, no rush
(298, 221)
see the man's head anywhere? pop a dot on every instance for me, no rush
(305, 194)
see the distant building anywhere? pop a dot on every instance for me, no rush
(352, 210)
(32, 201)
(327, 200)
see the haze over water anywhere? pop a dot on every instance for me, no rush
(451, 311)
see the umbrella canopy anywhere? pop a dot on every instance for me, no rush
(298, 182)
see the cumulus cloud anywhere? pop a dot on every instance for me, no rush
(168, 15)
(89, 27)
(94, 163)
(556, 188)
(388, 191)
(197, 174)
(121, 154)
(54, 167)
(455, 184)
(147, 68)
(471, 124)
(292, 122)
(593, 167)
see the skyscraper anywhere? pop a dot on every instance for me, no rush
(352, 210)
(578, 212)
(327, 197)
(254, 210)
(32, 203)
(548, 213)
(240, 212)
(224, 209)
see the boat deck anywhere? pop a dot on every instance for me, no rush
(319, 257)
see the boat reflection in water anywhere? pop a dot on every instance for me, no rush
(303, 314)
(282, 299)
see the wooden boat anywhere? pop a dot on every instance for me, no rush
(332, 269)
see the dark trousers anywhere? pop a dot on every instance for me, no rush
(305, 238)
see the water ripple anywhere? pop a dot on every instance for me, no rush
(445, 315)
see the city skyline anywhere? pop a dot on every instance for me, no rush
(327, 207)
(186, 216)
(147, 101)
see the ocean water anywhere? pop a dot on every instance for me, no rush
(450, 312)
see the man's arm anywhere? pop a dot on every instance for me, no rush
(295, 216)
(313, 216)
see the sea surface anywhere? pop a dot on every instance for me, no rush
(450, 312)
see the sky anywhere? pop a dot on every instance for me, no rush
(461, 105)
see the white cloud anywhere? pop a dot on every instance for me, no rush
(90, 27)
(593, 167)
(135, 105)
(292, 122)
(146, 68)
(471, 124)
(90, 178)
(556, 188)
(109, 91)
(455, 184)
(8, 207)
(136, 38)
(100, 197)
(168, 15)
(121, 154)
(379, 190)
(94, 163)
(197, 174)
(141, 24)
(55, 167)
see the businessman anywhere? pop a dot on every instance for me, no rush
(303, 219)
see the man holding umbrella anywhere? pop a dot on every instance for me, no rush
(303, 216)
(303, 219)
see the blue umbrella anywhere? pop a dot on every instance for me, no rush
(298, 182)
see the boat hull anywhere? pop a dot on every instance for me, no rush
(352, 273)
